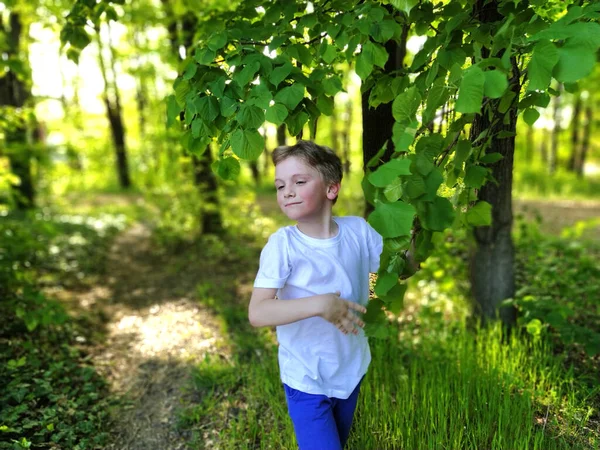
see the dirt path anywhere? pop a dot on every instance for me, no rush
(155, 333)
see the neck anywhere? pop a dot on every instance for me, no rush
(322, 228)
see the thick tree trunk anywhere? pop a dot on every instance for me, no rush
(378, 122)
(115, 116)
(585, 144)
(575, 125)
(492, 263)
(14, 93)
(556, 117)
(206, 181)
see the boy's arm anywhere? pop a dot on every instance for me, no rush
(266, 310)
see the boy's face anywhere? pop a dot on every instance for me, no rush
(302, 194)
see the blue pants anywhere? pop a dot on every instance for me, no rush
(320, 422)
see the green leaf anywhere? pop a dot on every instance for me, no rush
(295, 122)
(247, 144)
(190, 71)
(228, 168)
(462, 152)
(415, 186)
(217, 41)
(290, 96)
(182, 89)
(392, 219)
(204, 56)
(250, 116)
(207, 107)
(246, 75)
(404, 5)
(475, 176)
(437, 95)
(374, 54)
(491, 158)
(228, 106)
(388, 172)
(539, 70)
(280, 73)
(325, 105)
(393, 191)
(385, 282)
(437, 215)
(375, 320)
(405, 106)
(332, 85)
(328, 52)
(575, 61)
(530, 115)
(470, 95)
(495, 83)
(534, 327)
(403, 135)
(364, 66)
(173, 110)
(480, 215)
(276, 114)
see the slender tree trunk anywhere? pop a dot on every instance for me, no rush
(14, 93)
(556, 116)
(378, 122)
(544, 151)
(141, 94)
(585, 144)
(346, 136)
(492, 263)
(206, 181)
(334, 131)
(114, 114)
(575, 125)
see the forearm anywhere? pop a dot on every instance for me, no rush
(272, 312)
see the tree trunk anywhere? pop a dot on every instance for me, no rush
(206, 181)
(575, 124)
(492, 263)
(334, 131)
(585, 144)
(346, 136)
(14, 93)
(552, 162)
(114, 115)
(378, 122)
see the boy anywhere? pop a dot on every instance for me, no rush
(312, 283)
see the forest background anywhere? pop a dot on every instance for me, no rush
(133, 209)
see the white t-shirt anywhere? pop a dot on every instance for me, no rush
(315, 356)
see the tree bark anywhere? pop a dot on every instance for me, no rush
(378, 122)
(492, 263)
(14, 93)
(575, 125)
(206, 181)
(346, 136)
(553, 157)
(114, 115)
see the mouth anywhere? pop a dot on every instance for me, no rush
(291, 204)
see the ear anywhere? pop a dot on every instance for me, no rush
(333, 190)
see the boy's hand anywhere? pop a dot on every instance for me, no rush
(342, 313)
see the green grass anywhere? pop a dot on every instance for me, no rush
(440, 384)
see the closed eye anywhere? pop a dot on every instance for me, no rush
(279, 188)
(300, 182)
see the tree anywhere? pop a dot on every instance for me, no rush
(482, 62)
(15, 106)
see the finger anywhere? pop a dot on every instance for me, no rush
(356, 307)
(356, 320)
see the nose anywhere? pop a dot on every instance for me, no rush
(288, 191)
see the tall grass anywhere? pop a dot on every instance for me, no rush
(443, 387)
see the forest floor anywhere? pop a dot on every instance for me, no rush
(156, 330)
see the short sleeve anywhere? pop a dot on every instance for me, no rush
(375, 243)
(274, 267)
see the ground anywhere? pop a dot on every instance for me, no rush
(156, 329)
